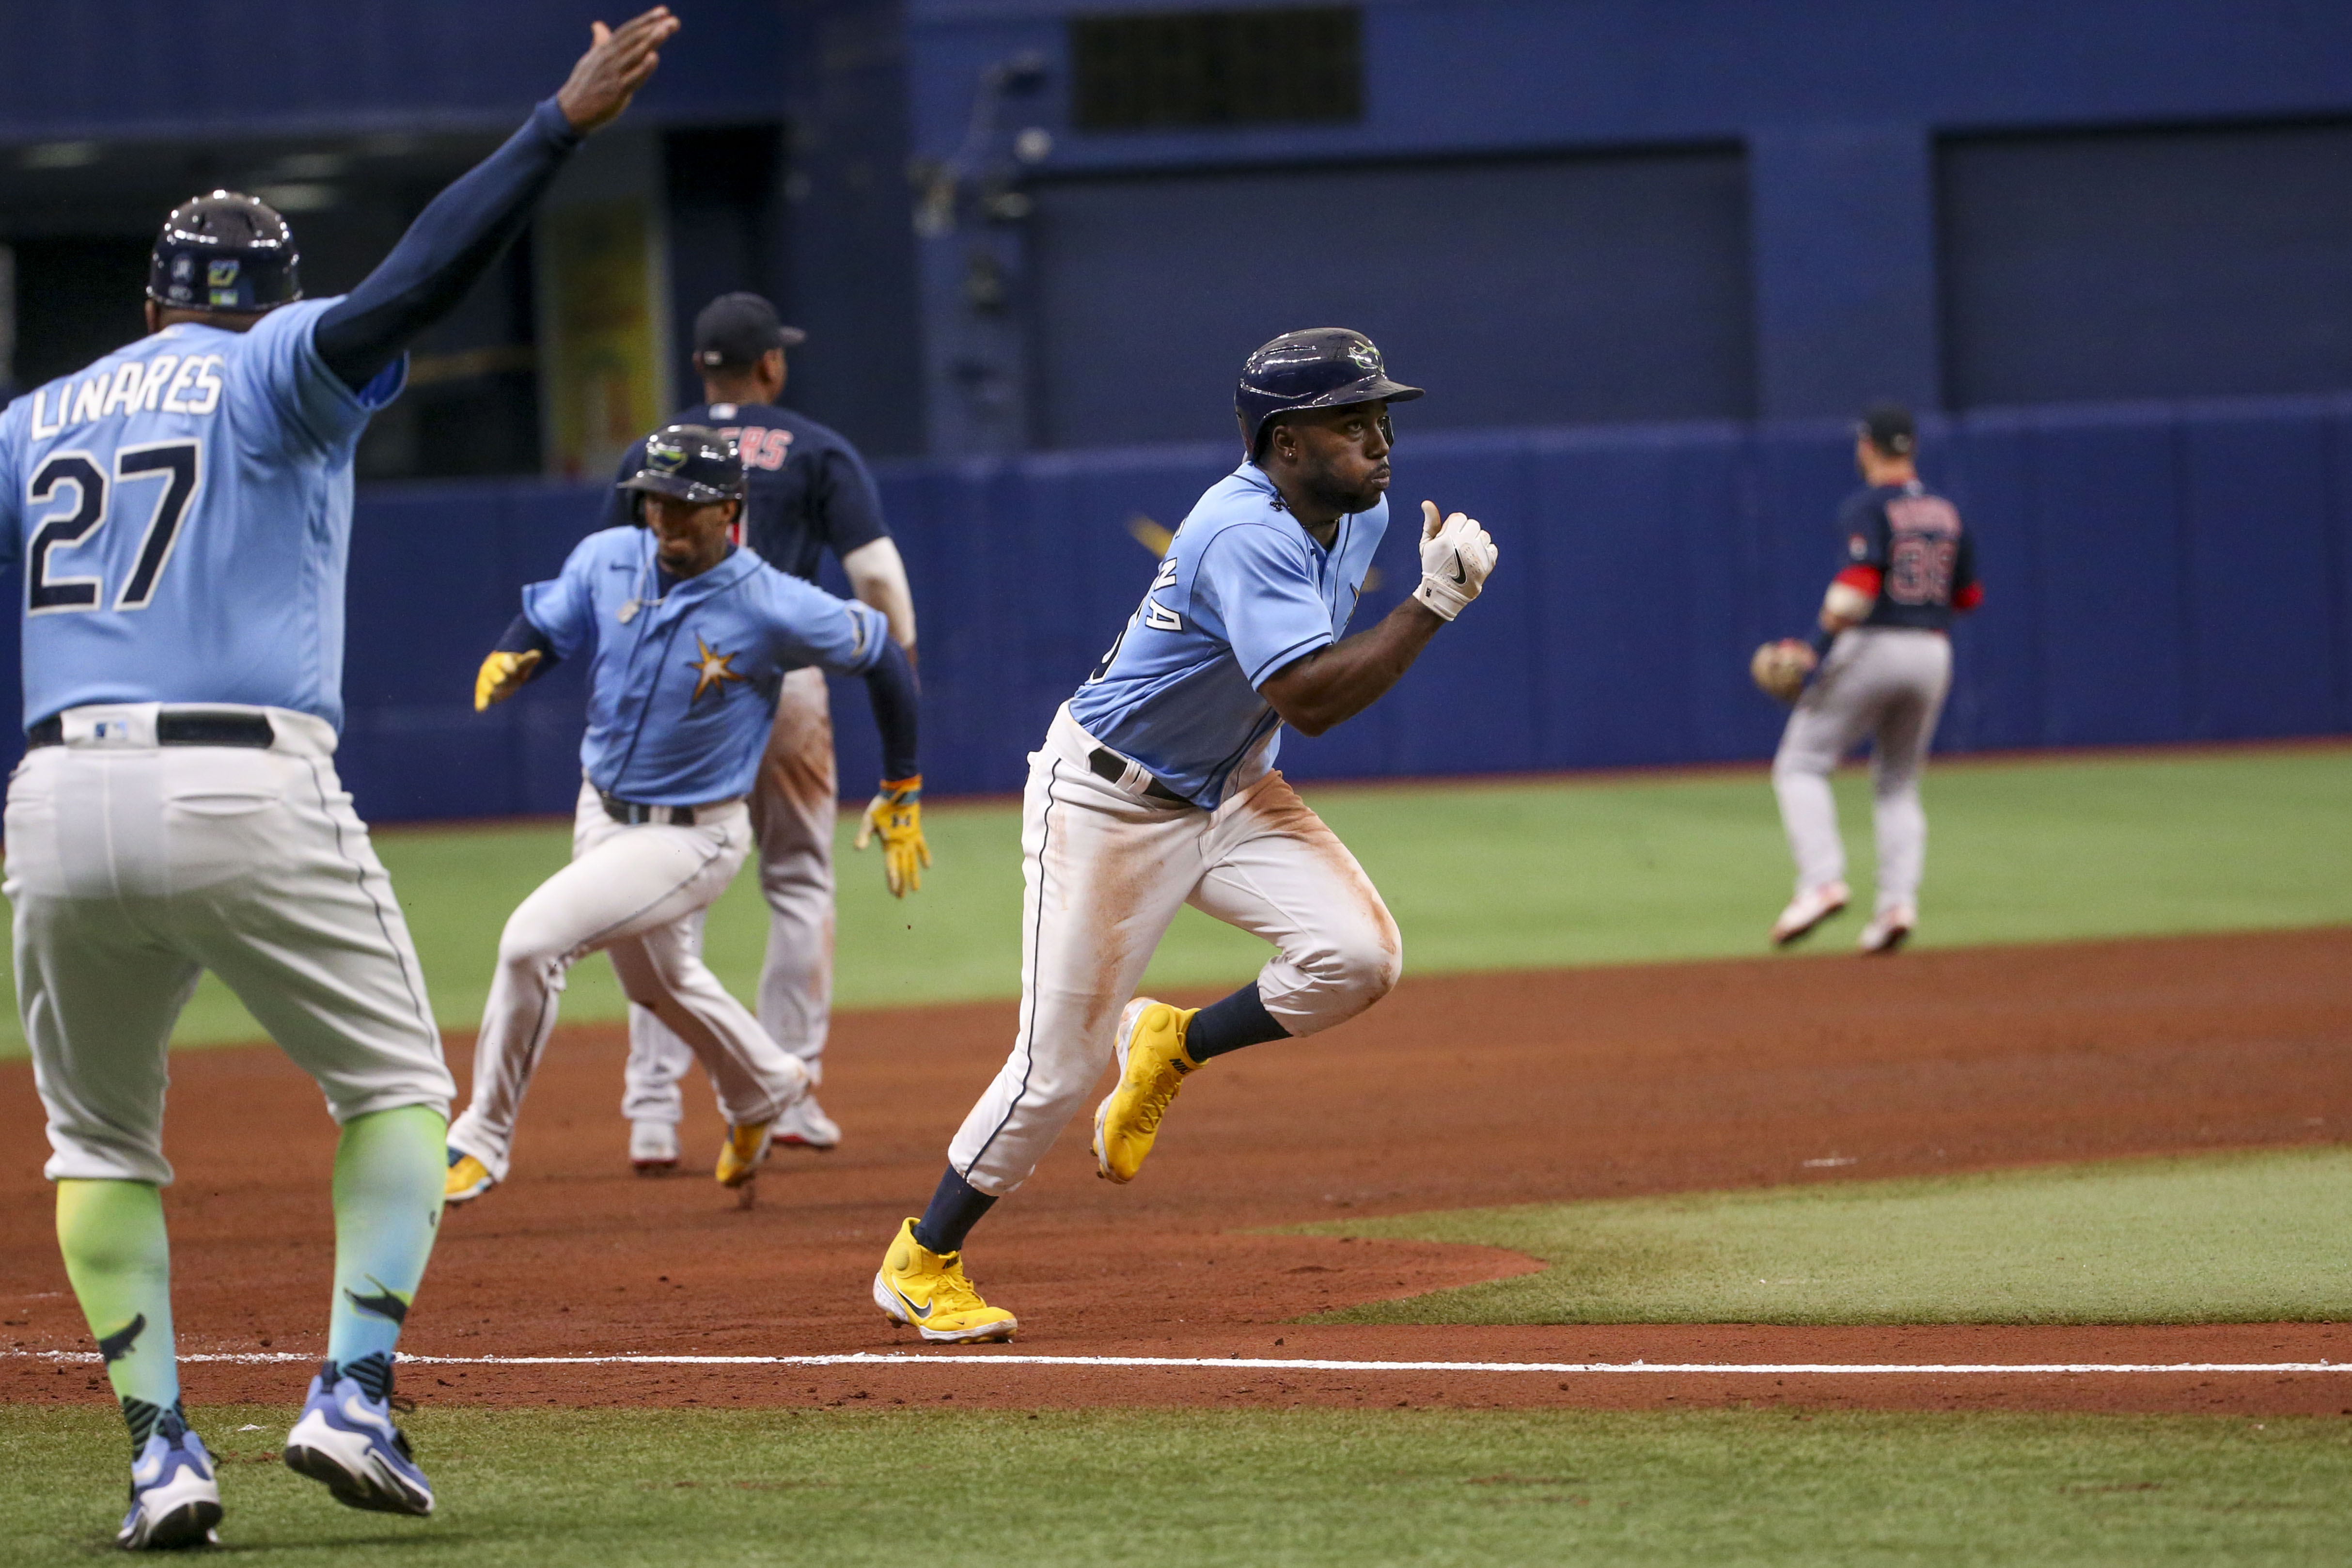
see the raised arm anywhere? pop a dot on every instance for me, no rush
(1336, 683)
(457, 237)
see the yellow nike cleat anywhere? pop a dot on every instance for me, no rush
(469, 1178)
(740, 1155)
(1152, 1067)
(927, 1292)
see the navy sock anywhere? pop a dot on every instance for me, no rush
(955, 1208)
(1241, 1019)
(371, 1372)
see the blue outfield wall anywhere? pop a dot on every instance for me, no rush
(2153, 573)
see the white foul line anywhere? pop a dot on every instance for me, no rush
(1273, 1363)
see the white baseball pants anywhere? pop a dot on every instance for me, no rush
(633, 893)
(1885, 685)
(1105, 870)
(793, 806)
(134, 866)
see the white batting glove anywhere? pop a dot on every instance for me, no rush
(1455, 557)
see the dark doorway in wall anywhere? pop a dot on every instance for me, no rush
(2174, 263)
(78, 297)
(79, 217)
(726, 195)
(1536, 291)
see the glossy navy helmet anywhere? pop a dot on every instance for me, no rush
(1321, 367)
(692, 462)
(224, 252)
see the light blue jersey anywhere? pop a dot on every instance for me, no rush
(682, 686)
(183, 512)
(1244, 593)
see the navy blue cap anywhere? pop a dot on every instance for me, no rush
(1889, 428)
(737, 328)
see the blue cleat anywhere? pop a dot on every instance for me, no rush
(174, 1501)
(346, 1440)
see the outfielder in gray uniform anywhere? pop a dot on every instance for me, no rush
(1910, 567)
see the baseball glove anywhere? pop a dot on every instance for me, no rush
(1779, 669)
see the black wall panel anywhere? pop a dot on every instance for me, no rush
(1518, 293)
(2157, 264)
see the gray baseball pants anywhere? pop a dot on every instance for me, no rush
(1105, 869)
(793, 807)
(628, 892)
(134, 866)
(1884, 685)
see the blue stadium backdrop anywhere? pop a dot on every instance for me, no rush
(2154, 573)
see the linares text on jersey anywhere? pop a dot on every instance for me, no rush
(167, 383)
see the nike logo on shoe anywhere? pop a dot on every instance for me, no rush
(922, 1314)
(351, 1410)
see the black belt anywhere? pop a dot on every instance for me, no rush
(1108, 764)
(636, 812)
(181, 729)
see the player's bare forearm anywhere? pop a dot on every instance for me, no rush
(1849, 599)
(878, 576)
(1333, 685)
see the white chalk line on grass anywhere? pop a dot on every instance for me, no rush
(1275, 1363)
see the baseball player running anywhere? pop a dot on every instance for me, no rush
(182, 509)
(1910, 567)
(1155, 788)
(808, 491)
(689, 640)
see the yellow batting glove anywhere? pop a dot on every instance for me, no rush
(896, 814)
(501, 675)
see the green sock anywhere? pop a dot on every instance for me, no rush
(389, 1170)
(120, 1262)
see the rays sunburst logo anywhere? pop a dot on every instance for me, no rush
(712, 669)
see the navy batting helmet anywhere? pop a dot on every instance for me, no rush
(691, 462)
(224, 252)
(1321, 367)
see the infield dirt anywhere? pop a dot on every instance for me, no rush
(1455, 1093)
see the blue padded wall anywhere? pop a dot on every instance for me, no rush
(2182, 262)
(2154, 573)
(1536, 291)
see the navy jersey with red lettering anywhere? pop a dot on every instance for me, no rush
(1904, 544)
(810, 492)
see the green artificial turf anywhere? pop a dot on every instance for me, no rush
(2232, 1238)
(1514, 875)
(1299, 1487)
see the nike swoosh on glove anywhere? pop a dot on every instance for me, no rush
(1455, 557)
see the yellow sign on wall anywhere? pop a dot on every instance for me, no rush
(601, 379)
